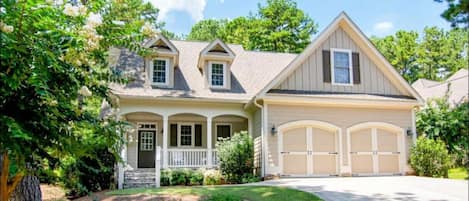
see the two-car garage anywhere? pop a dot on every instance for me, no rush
(314, 148)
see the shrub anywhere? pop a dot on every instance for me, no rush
(249, 178)
(179, 177)
(236, 156)
(450, 124)
(90, 173)
(165, 177)
(430, 158)
(212, 177)
(196, 177)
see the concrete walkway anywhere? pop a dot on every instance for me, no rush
(409, 188)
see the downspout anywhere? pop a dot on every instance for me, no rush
(263, 147)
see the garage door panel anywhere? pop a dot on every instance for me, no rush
(361, 141)
(362, 164)
(295, 140)
(388, 163)
(323, 140)
(387, 141)
(324, 164)
(294, 164)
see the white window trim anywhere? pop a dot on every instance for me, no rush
(225, 79)
(192, 134)
(166, 83)
(333, 50)
(223, 124)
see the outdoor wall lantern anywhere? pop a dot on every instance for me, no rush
(273, 131)
(409, 132)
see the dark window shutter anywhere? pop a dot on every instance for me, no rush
(356, 67)
(174, 135)
(198, 135)
(326, 66)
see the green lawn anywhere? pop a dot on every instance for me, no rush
(457, 173)
(231, 193)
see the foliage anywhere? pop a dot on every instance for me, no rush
(90, 173)
(196, 177)
(458, 173)
(212, 177)
(457, 12)
(277, 26)
(208, 30)
(165, 177)
(435, 55)
(187, 177)
(54, 71)
(451, 125)
(236, 157)
(430, 158)
(258, 193)
(179, 177)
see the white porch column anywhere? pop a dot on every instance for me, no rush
(209, 142)
(165, 141)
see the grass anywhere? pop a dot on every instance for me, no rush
(231, 193)
(458, 173)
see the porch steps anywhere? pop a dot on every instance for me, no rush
(139, 178)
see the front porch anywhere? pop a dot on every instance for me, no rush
(186, 140)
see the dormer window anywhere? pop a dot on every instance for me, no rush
(214, 62)
(217, 74)
(161, 61)
(160, 71)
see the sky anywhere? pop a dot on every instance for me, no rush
(374, 17)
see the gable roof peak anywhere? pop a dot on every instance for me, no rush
(345, 22)
(219, 46)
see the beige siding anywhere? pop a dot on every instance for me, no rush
(256, 129)
(309, 76)
(340, 116)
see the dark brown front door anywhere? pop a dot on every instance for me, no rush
(146, 149)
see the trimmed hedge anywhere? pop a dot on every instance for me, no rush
(189, 177)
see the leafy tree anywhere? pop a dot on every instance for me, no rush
(277, 26)
(435, 55)
(283, 27)
(437, 120)
(207, 30)
(457, 12)
(400, 50)
(170, 35)
(53, 64)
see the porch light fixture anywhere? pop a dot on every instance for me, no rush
(273, 131)
(409, 132)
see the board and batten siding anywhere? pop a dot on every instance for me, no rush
(342, 117)
(309, 76)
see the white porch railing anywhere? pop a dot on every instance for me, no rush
(190, 158)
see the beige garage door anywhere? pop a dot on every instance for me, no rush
(374, 151)
(309, 151)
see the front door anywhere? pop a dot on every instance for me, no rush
(146, 149)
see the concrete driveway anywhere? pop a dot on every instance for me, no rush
(379, 188)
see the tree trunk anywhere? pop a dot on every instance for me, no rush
(27, 190)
